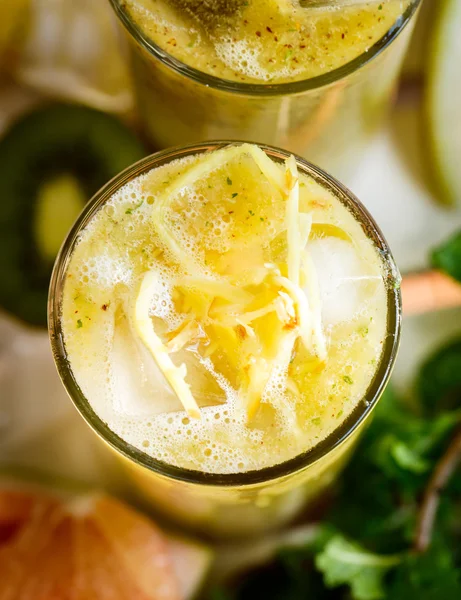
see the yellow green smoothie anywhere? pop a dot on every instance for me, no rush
(224, 313)
(265, 41)
(314, 77)
(225, 316)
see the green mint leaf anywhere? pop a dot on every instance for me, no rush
(229, 181)
(220, 593)
(343, 562)
(439, 381)
(448, 256)
(79, 323)
(430, 576)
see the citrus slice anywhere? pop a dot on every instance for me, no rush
(443, 108)
(90, 547)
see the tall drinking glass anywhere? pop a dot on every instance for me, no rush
(218, 503)
(326, 115)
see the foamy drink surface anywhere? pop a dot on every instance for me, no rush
(224, 312)
(265, 41)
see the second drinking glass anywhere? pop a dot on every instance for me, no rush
(314, 77)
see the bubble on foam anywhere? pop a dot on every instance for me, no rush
(239, 56)
(222, 381)
(242, 57)
(106, 271)
(162, 302)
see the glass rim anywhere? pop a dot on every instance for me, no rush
(265, 89)
(298, 463)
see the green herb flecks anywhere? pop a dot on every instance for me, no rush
(130, 211)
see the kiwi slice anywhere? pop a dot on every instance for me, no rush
(51, 162)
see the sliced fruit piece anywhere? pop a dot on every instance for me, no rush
(442, 105)
(313, 291)
(292, 220)
(191, 563)
(55, 545)
(145, 329)
(263, 313)
(217, 288)
(51, 161)
(11, 21)
(328, 230)
(59, 202)
(415, 60)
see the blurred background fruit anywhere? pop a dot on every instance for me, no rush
(58, 545)
(52, 161)
(415, 61)
(13, 15)
(443, 101)
(75, 51)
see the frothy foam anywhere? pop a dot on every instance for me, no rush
(265, 41)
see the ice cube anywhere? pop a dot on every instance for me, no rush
(344, 279)
(139, 388)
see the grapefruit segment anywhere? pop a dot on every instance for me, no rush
(191, 561)
(92, 546)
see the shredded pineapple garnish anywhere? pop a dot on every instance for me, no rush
(228, 342)
(189, 178)
(259, 372)
(184, 260)
(219, 288)
(285, 307)
(301, 304)
(316, 308)
(252, 315)
(292, 220)
(269, 169)
(187, 333)
(305, 228)
(145, 329)
(329, 230)
(230, 312)
(293, 308)
(249, 331)
(197, 172)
